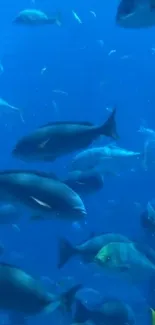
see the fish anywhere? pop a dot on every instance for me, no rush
(62, 138)
(127, 258)
(105, 159)
(6, 106)
(36, 17)
(9, 214)
(135, 14)
(88, 249)
(31, 296)
(84, 182)
(46, 196)
(111, 311)
(148, 219)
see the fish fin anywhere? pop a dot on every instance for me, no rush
(109, 127)
(56, 19)
(67, 298)
(59, 19)
(20, 112)
(81, 313)
(35, 218)
(66, 251)
(52, 307)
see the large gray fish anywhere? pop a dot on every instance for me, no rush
(60, 138)
(109, 158)
(35, 17)
(110, 312)
(136, 13)
(20, 292)
(88, 249)
(45, 196)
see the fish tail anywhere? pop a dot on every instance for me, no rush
(82, 314)
(109, 128)
(66, 251)
(58, 19)
(67, 298)
(20, 112)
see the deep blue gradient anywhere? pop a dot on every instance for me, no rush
(78, 64)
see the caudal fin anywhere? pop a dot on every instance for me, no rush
(68, 297)
(109, 128)
(66, 251)
(82, 314)
(58, 19)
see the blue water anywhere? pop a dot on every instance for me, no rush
(76, 63)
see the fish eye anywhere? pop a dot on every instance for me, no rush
(107, 258)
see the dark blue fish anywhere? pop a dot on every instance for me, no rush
(60, 138)
(88, 249)
(111, 312)
(46, 196)
(136, 13)
(85, 182)
(36, 17)
(24, 295)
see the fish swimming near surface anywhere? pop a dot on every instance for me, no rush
(36, 17)
(56, 139)
(20, 292)
(136, 13)
(88, 249)
(84, 182)
(43, 194)
(110, 158)
(110, 312)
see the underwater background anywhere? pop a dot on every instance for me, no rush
(98, 65)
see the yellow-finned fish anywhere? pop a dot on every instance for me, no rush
(153, 316)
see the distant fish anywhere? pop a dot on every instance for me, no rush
(76, 17)
(62, 138)
(43, 194)
(59, 91)
(36, 17)
(88, 248)
(93, 13)
(5, 105)
(136, 13)
(111, 311)
(148, 219)
(110, 158)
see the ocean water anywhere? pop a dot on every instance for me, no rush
(98, 65)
